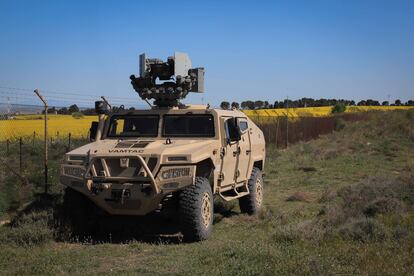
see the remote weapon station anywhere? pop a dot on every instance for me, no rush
(172, 156)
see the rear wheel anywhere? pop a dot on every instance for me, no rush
(196, 210)
(253, 202)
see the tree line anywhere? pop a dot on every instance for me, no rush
(309, 102)
(86, 111)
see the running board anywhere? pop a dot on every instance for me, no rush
(234, 193)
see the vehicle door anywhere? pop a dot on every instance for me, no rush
(229, 151)
(244, 151)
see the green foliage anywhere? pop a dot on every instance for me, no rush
(31, 229)
(225, 105)
(77, 115)
(338, 108)
(357, 218)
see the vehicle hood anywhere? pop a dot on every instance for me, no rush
(147, 147)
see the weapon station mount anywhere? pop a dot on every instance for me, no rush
(167, 82)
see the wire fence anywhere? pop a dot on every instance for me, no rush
(30, 158)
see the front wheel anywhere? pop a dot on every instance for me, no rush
(252, 203)
(196, 210)
(79, 213)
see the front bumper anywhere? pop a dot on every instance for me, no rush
(125, 195)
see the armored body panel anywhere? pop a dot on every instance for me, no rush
(139, 160)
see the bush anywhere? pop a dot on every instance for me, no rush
(338, 108)
(299, 196)
(77, 115)
(364, 230)
(31, 229)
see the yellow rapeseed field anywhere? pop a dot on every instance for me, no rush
(268, 115)
(62, 125)
(58, 125)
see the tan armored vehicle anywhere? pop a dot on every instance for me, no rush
(144, 160)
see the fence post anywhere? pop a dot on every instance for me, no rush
(45, 153)
(34, 137)
(287, 121)
(20, 155)
(7, 147)
(277, 131)
(69, 141)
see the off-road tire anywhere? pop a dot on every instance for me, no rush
(196, 210)
(79, 213)
(252, 203)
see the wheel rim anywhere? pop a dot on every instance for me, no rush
(259, 192)
(206, 210)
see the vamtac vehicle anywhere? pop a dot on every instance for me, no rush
(144, 160)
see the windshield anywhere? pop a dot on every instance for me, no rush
(188, 126)
(133, 126)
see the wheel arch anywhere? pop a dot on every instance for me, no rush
(205, 168)
(258, 164)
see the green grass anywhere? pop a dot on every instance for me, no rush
(343, 177)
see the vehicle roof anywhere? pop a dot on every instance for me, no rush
(192, 109)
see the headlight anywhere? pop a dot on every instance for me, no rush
(175, 173)
(74, 171)
(80, 159)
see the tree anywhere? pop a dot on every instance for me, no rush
(250, 105)
(339, 108)
(371, 102)
(225, 105)
(63, 110)
(409, 103)
(385, 103)
(397, 102)
(73, 108)
(235, 105)
(258, 104)
(362, 103)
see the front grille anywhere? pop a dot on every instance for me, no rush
(73, 171)
(111, 167)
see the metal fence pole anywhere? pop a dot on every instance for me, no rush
(45, 153)
(7, 147)
(20, 155)
(287, 121)
(34, 137)
(69, 141)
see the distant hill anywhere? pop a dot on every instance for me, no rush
(21, 108)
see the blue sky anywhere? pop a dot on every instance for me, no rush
(251, 49)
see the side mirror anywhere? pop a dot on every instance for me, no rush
(237, 135)
(233, 132)
(92, 131)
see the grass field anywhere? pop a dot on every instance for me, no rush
(341, 204)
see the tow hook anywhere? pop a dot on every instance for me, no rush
(147, 190)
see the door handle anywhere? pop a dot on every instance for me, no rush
(248, 152)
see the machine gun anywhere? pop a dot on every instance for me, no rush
(167, 82)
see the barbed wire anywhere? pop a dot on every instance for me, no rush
(51, 94)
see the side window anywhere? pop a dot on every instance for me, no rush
(232, 132)
(243, 126)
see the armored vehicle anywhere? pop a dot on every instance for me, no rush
(177, 155)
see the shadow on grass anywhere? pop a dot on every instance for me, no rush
(44, 220)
